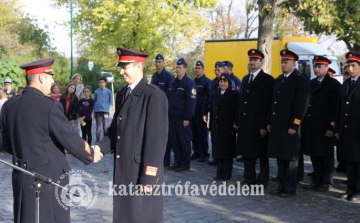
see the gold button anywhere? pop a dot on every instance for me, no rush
(311, 96)
(308, 115)
(117, 156)
(247, 91)
(347, 102)
(245, 102)
(278, 92)
(345, 126)
(118, 137)
(24, 164)
(309, 105)
(346, 114)
(16, 163)
(244, 113)
(274, 113)
(275, 102)
(120, 118)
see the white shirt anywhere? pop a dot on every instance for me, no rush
(355, 79)
(255, 74)
(222, 92)
(132, 86)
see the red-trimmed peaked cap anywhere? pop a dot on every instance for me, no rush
(321, 60)
(331, 72)
(127, 56)
(288, 55)
(352, 56)
(254, 53)
(39, 67)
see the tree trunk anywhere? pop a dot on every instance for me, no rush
(266, 31)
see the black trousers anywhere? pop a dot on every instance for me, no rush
(323, 170)
(300, 173)
(353, 175)
(250, 173)
(200, 135)
(224, 168)
(86, 131)
(287, 172)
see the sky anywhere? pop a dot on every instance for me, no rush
(55, 18)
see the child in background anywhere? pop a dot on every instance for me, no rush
(86, 108)
(3, 97)
(69, 102)
(55, 92)
(20, 90)
(103, 98)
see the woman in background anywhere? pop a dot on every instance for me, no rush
(222, 120)
(55, 92)
(69, 102)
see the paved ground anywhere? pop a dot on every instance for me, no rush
(307, 206)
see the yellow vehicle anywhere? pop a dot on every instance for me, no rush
(235, 50)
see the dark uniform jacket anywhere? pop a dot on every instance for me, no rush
(213, 86)
(182, 99)
(320, 117)
(202, 86)
(222, 119)
(138, 136)
(253, 110)
(36, 132)
(163, 80)
(236, 82)
(349, 121)
(290, 101)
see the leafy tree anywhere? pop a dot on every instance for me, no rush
(9, 69)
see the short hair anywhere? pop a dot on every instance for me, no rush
(30, 78)
(20, 88)
(75, 75)
(102, 79)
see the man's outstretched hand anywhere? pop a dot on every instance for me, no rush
(97, 154)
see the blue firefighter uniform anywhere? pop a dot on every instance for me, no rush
(199, 128)
(182, 102)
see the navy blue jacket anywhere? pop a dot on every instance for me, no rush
(236, 81)
(163, 80)
(182, 98)
(202, 86)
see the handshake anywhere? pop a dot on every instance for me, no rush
(97, 153)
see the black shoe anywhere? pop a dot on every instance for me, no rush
(182, 168)
(311, 186)
(203, 158)
(217, 178)
(240, 159)
(323, 188)
(195, 156)
(285, 194)
(166, 164)
(275, 179)
(173, 167)
(276, 191)
(354, 198)
(213, 162)
(345, 196)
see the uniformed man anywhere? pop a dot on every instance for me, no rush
(35, 131)
(319, 125)
(214, 85)
(331, 72)
(290, 101)
(348, 127)
(182, 104)
(253, 109)
(137, 136)
(199, 128)
(228, 69)
(163, 79)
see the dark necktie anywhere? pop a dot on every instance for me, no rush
(251, 78)
(352, 84)
(127, 92)
(284, 79)
(318, 83)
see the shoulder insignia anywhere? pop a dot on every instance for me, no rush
(151, 171)
(297, 121)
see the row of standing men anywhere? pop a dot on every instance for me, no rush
(278, 118)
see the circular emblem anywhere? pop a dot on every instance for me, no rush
(82, 190)
(193, 91)
(253, 51)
